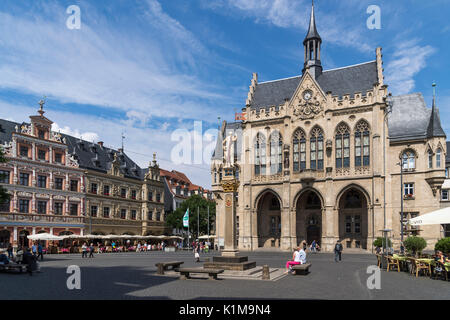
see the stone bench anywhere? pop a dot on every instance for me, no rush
(301, 268)
(162, 266)
(184, 272)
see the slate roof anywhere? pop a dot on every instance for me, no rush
(410, 119)
(348, 80)
(447, 156)
(95, 157)
(312, 30)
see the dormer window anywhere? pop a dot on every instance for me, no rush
(41, 134)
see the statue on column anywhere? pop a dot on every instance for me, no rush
(228, 150)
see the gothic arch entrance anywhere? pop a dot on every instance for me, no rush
(269, 221)
(353, 219)
(309, 217)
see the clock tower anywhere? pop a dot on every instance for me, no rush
(312, 45)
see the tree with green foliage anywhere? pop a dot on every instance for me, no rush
(415, 245)
(381, 242)
(443, 245)
(175, 219)
(4, 196)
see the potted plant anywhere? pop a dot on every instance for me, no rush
(443, 245)
(415, 245)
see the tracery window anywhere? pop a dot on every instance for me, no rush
(299, 150)
(430, 159)
(409, 160)
(362, 144)
(316, 149)
(343, 146)
(260, 155)
(276, 152)
(438, 158)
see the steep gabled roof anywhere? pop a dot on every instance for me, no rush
(410, 119)
(341, 81)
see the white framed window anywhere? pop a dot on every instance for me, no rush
(408, 190)
(409, 160)
(444, 195)
(430, 159)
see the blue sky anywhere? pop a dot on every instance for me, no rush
(149, 67)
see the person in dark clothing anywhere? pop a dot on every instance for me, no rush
(10, 251)
(338, 251)
(30, 261)
(91, 250)
(40, 252)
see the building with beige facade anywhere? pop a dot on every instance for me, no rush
(319, 156)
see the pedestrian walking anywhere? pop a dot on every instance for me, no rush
(91, 250)
(84, 250)
(338, 251)
(40, 252)
(34, 249)
(197, 253)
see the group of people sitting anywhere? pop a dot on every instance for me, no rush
(23, 256)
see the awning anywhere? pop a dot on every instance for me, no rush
(45, 237)
(441, 216)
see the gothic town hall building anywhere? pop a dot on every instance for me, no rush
(318, 157)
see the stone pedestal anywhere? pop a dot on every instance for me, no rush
(230, 259)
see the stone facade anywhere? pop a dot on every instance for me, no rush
(318, 158)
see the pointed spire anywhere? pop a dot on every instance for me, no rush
(312, 31)
(434, 126)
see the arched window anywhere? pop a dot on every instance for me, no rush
(299, 150)
(215, 175)
(343, 146)
(409, 160)
(438, 158)
(260, 155)
(276, 152)
(362, 144)
(430, 159)
(316, 149)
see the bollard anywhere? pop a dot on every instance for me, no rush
(265, 272)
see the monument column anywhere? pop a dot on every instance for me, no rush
(230, 186)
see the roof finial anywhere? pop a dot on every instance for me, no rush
(434, 94)
(41, 109)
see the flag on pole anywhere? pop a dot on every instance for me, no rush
(186, 219)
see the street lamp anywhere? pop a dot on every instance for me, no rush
(401, 164)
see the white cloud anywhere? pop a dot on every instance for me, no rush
(408, 59)
(333, 28)
(101, 65)
(139, 145)
(88, 136)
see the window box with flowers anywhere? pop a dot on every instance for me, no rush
(409, 197)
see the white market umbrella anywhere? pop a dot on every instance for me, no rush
(45, 237)
(441, 216)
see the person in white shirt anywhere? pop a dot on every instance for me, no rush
(296, 259)
(302, 256)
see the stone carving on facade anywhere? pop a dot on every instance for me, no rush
(55, 136)
(8, 148)
(25, 129)
(72, 162)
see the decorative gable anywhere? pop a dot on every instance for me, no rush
(308, 100)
